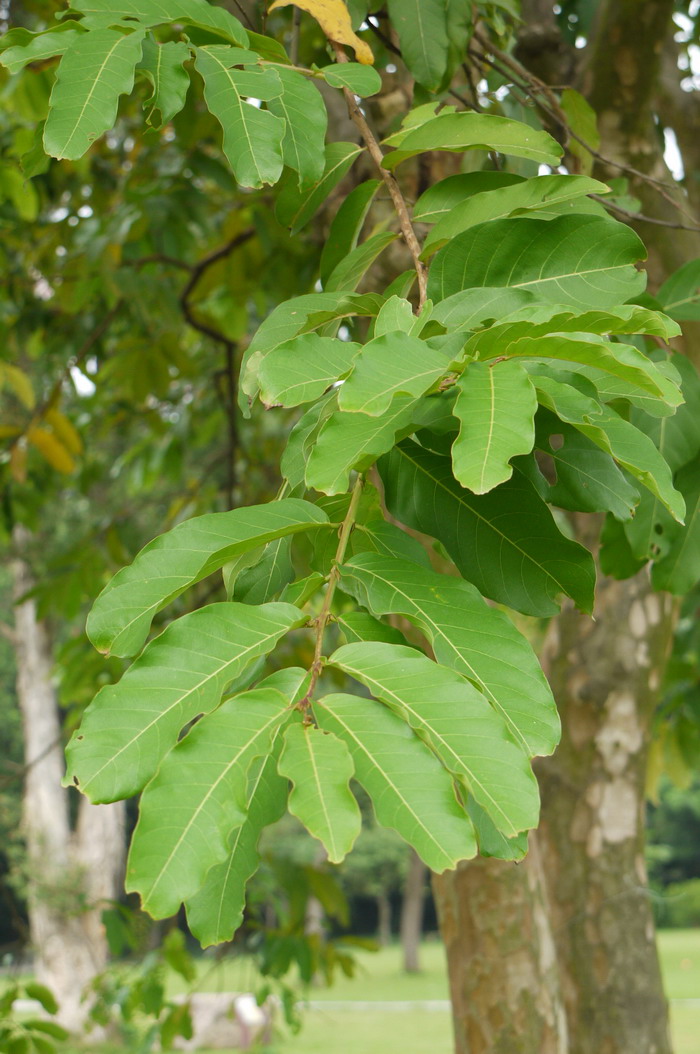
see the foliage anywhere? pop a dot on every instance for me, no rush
(504, 375)
(20, 1034)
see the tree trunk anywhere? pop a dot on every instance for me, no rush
(411, 925)
(383, 920)
(71, 873)
(592, 829)
(504, 980)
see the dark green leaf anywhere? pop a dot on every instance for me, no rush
(505, 542)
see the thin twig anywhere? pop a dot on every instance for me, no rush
(404, 218)
(639, 216)
(333, 578)
(197, 273)
(294, 45)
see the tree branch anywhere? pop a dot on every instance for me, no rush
(400, 206)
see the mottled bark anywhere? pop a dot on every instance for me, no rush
(71, 873)
(501, 956)
(605, 674)
(411, 925)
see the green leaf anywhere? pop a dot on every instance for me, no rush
(679, 295)
(302, 107)
(442, 197)
(622, 362)
(158, 12)
(473, 131)
(302, 437)
(260, 582)
(354, 441)
(587, 478)
(35, 47)
(380, 536)
(347, 274)
(300, 314)
(167, 566)
(43, 995)
(130, 726)
(215, 912)
(295, 206)
(421, 26)
(490, 840)
(93, 73)
(346, 226)
(253, 137)
(505, 542)
(360, 80)
(583, 261)
(456, 721)
(630, 447)
(496, 408)
(320, 768)
(301, 369)
(410, 790)
(530, 195)
(386, 366)
(678, 571)
(197, 798)
(678, 436)
(163, 64)
(583, 121)
(467, 635)
(396, 316)
(359, 625)
(471, 308)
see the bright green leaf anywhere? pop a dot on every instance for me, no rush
(421, 26)
(253, 137)
(410, 790)
(346, 226)
(466, 634)
(199, 795)
(583, 261)
(302, 108)
(360, 80)
(473, 131)
(442, 197)
(386, 366)
(168, 565)
(159, 12)
(320, 768)
(496, 408)
(456, 721)
(164, 65)
(295, 206)
(130, 726)
(347, 274)
(301, 369)
(93, 73)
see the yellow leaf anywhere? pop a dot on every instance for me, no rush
(64, 430)
(51, 449)
(18, 382)
(334, 19)
(18, 463)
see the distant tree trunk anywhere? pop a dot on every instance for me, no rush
(383, 919)
(592, 831)
(504, 979)
(71, 872)
(411, 925)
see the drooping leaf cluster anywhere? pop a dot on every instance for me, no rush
(519, 388)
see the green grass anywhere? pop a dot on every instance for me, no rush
(380, 979)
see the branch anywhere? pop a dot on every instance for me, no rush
(198, 271)
(358, 118)
(333, 578)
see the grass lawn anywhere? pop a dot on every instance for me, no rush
(334, 1029)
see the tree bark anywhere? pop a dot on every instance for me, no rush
(70, 873)
(605, 675)
(411, 925)
(501, 957)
